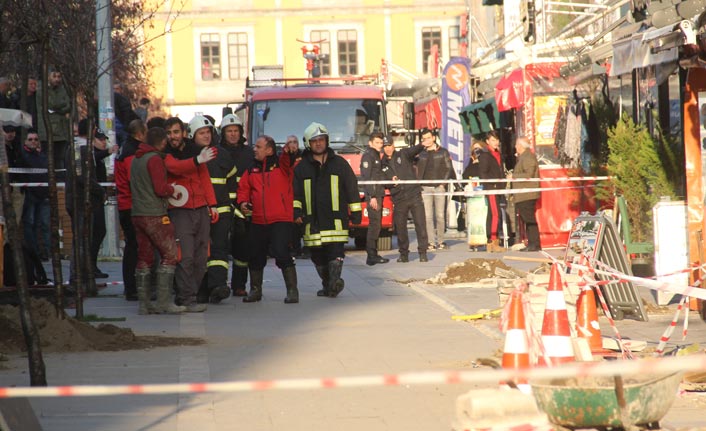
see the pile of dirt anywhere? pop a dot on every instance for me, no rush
(470, 271)
(66, 334)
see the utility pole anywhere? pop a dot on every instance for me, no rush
(106, 112)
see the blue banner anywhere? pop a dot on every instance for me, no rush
(455, 94)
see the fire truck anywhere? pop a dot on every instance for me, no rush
(351, 108)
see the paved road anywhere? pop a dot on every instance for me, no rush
(376, 326)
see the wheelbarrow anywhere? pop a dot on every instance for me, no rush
(607, 402)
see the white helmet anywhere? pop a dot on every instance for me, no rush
(199, 122)
(230, 120)
(314, 131)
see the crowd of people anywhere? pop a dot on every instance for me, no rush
(193, 198)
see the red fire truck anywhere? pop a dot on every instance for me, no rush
(351, 109)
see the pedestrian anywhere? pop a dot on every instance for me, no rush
(58, 110)
(398, 165)
(265, 190)
(35, 212)
(434, 164)
(153, 228)
(298, 251)
(325, 192)
(491, 168)
(371, 170)
(137, 134)
(222, 170)
(143, 108)
(233, 141)
(526, 203)
(193, 214)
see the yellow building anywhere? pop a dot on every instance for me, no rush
(203, 62)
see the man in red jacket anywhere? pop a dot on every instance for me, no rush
(266, 190)
(193, 213)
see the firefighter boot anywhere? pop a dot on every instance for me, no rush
(165, 280)
(255, 285)
(142, 280)
(335, 282)
(290, 280)
(323, 273)
(239, 280)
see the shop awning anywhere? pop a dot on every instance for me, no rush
(509, 91)
(481, 117)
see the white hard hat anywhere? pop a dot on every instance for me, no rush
(199, 122)
(314, 131)
(230, 120)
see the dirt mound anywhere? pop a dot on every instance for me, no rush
(67, 334)
(469, 271)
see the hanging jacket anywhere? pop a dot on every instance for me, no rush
(323, 196)
(267, 185)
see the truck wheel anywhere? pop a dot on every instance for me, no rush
(359, 242)
(384, 242)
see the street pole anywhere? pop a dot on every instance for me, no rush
(106, 114)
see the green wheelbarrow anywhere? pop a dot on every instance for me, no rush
(607, 402)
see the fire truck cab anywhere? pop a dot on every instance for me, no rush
(351, 109)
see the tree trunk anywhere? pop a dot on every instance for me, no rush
(87, 232)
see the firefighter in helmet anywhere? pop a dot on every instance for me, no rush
(331, 190)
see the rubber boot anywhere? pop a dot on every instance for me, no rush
(290, 280)
(143, 277)
(165, 304)
(323, 273)
(239, 281)
(335, 282)
(255, 285)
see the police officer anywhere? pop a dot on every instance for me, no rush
(325, 190)
(371, 170)
(233, 141)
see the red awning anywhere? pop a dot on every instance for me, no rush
(509, 91)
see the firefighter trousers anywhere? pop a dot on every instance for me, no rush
(217, 274)
(239, 249)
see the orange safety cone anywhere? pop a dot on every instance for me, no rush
(516, 350)
(587, 320)
(556, 333)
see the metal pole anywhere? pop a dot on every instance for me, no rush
(106, 113)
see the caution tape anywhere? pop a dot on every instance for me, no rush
(663, 365)
(477, 180)
(61, 185)
(32, 170)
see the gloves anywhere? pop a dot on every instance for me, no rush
(356, 217)
(213, 212)
(206, 155)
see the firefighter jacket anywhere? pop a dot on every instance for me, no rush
(222, 171)
(185, 170)
(435, 165)
(371, 170)
(267, 185)
(323, 196)
(401, 165)
(243, 157)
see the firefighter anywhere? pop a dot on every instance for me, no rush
(233, 141)
(214, 287)
(325, 190)
(266, 190)
(371, 170)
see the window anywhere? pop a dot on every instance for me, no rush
(325, 50)
(454, 40)
(210, 56)
(347, 52)
(237, 55)
(430, 36)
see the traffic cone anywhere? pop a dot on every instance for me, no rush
(516, 350)
(556, 333)
(587, 320)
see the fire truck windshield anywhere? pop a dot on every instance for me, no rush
(349, 121)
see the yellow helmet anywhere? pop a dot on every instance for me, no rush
(314, 131)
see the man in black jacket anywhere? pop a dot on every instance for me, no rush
(371, 170)
(398, 165)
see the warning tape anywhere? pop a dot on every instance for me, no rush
(57, 184)
(477, 180)
(663, 365)
(32, 170)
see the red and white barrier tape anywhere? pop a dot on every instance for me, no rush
(663, 365)
(61, 185)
